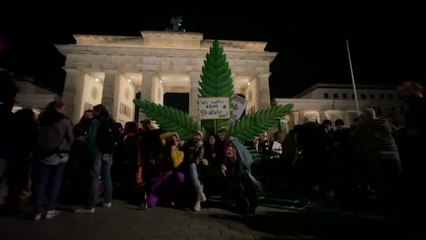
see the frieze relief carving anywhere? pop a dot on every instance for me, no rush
(99, 39)
(172, 35)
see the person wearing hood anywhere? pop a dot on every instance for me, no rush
(55, 136)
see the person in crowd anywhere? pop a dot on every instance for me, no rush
(377, 147)
(164, 189)
(343, 165)
(240, 187)
(128, 158)
(194, 153)
(102, 141)
(412, 145)
(221, 142)
(310, 161)
(8, 90)
(76, 176)
(150, 151)
(25, 139)
(212, 180)
(55, 137)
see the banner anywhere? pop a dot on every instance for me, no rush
(214, 108)
(238, 104)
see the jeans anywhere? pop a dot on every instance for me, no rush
(48, 186)
(194, 174)
(101, 166)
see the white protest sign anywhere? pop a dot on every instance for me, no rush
(239, 104)
(214, 108)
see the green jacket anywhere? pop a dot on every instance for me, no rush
(92, 145)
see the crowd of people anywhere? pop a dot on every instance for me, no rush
(372, 158)
(51, 160)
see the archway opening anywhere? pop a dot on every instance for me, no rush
(177, 100)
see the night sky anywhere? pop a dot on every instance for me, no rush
(387, 46)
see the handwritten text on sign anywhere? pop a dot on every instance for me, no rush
(214, 108)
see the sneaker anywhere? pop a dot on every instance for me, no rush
(197, 206)
(51, 214)
(37, 217)
(107, 205)
(85, 210)
(202, 197)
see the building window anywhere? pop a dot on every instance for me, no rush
(372, 96)
(325, 95)
(390, 96)
(353, 96)
(381, 96)
(362, 96)
(335, 96)
(345, 96)
(402, 110)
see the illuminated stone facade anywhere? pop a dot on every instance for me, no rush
(334, 101)
(112, 69)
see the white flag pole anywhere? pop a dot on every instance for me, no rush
(353, 79)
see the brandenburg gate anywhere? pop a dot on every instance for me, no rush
(112, 69)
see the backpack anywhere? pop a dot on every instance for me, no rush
(49, 140)
(108, 136)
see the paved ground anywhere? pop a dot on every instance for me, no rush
(124, 221)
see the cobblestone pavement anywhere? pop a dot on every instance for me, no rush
(124, 221)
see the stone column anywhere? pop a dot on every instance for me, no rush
(73, 93)
(193, 94)
(263, 97)
(322, 115)
(108, 92)
(147, 91)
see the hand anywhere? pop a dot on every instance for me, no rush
(81, 138)
(205, 162)
(223, 169)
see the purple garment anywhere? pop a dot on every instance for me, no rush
(165, 188)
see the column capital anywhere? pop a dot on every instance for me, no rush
(194, 75)
(111, 72)
(263, 75)
(149, 72)
(73, 70)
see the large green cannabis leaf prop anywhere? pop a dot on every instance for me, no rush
(216, 81)
(257, 123)
(169, 118)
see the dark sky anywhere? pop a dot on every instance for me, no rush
(386, 44)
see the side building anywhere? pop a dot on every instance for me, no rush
(334, 101)
(32, 96)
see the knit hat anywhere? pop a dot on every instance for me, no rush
(199, 132)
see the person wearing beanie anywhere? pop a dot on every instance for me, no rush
(194, 153)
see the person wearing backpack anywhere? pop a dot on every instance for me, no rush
(102, 140)
(55, 135)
